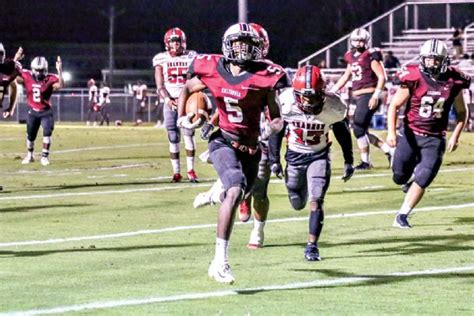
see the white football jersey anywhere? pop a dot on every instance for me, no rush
(308, 133)
(175, 70)
(104, 95)
(93, 94)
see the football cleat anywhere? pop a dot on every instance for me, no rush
(245, 211)
(348, 172)
(192, 176)
(45, 161)
(210, 197)
(176, 178)
(28, 159)
(221, 273)
(311, 253)
(363, 166)
(401, 221)
(256, 239)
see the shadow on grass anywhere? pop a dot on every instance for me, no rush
(40, 207)
(92, 248)
(343, 279)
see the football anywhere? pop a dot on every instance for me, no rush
(199, 104)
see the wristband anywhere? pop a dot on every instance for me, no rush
(377, 93)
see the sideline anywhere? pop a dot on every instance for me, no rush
(192, 227)
(245, 291)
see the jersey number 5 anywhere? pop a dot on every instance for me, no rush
(234, 112)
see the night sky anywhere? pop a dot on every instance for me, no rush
(296, 28)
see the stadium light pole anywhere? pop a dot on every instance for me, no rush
(111, 15)
(243, 11)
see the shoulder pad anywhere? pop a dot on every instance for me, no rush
(160, 58)
(409, 73)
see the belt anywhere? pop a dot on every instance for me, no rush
(252, 150)
(421, 134)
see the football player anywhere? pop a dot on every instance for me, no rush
(171, 68)
(241, 86)
(365, 69)
(39, 86)
(104, 103)
(309, 114)
(429, 90)
(9, 69)
(93, 102)
(140, 91)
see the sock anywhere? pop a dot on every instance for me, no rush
(365, 157)
(222, 247)
(190, 163)
(385, 148)
(405, 209)
(257, 225)
(175, 165)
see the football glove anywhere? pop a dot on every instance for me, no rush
(206, 130)
(185, 121)
(277, 170)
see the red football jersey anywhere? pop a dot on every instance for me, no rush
(239, 99)
(362, 74)
(8, 72)
(38, 92)
(430, 101)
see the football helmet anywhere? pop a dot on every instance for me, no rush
(175, 35)
(434, 57)
(264, 36)
(2, 53)
(357, 36)
(39, 67)
(241, 44)
(308, 89)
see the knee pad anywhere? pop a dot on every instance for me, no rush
(297, 202)
(174, 148)
(189, 142)
(400, 178)
(46, 139)
(359, 131)
(174, 136)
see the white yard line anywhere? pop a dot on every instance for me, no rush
(242, 291)
(75, 150)
(76, 170)
(192, 227)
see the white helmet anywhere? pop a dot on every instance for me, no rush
(436, 50)
(360, 34)
(39, 67)
(2, 53)
(250, 48)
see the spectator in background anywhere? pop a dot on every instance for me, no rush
(93, 106)
(391, 61)
(322, 64)
(159, 113)
(104, 101)
(140, 92)
(457, 43)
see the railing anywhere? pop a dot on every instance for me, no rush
(414, 5)
(466, 35)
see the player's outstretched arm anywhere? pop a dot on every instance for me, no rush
(13, 98)
(59, 67)
(342, 81)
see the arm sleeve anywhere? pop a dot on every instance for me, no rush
(274, 146)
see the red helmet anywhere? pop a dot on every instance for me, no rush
(175, 34)
(264, 36)
(308, 88)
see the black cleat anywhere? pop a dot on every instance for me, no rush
(363, 166)
(348, 172)
(401, 221)
(311, 253)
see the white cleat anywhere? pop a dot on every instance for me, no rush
(221, 273)
(210, 197)
(28, 159)
(256, 239)
(45, 161)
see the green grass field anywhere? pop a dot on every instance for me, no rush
(103, 231)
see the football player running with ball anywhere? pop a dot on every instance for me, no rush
(309, 113)
(365, 69)
(39, 85)
(429, 90)
(242, 86)
(171, 69)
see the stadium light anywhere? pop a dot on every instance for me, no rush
(67, 76)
